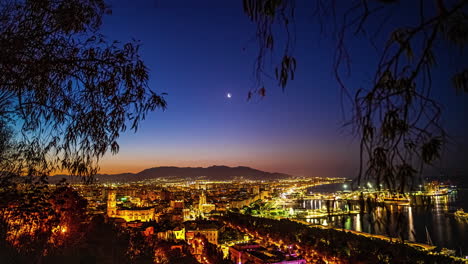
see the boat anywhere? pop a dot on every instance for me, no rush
(397, 200)
(461, 215)
(441, 191)
(438, 189)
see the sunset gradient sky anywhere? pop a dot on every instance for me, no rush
(195, 53)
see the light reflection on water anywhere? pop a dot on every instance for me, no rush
(409, 222)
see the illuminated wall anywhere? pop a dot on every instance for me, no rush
(134, 214)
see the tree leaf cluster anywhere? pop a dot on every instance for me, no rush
(68, 92)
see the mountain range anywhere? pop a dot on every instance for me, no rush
(184, 173)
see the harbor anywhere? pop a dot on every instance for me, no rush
(430, 217)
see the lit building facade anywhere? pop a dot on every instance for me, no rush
(203, 206)
(143, 214)
(209, 229)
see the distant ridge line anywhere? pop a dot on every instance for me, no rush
(215, 172)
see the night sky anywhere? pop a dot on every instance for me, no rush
(195, 53)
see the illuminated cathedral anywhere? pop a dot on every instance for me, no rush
(203, 206)
(142, 214)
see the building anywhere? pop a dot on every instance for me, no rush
(246, 201)
(202, 200)
(187, 214)
(255, 254)
(179, 233)
(255, 190)
(142, 214)
(207, 208)
(111, 203)
(177, 204)
(209, 229)
(203, 206)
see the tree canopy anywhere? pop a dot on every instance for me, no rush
(66, 92)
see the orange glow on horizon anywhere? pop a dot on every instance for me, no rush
(306, 165)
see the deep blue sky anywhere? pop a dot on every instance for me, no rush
(194, 50)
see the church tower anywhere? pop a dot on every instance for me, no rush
(111, 203)
(202, 201)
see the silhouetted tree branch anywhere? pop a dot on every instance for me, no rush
(69, 92)
(397, 121)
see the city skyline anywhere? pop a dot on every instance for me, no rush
(222, 132)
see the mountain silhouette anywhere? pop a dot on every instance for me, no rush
(222, 173)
